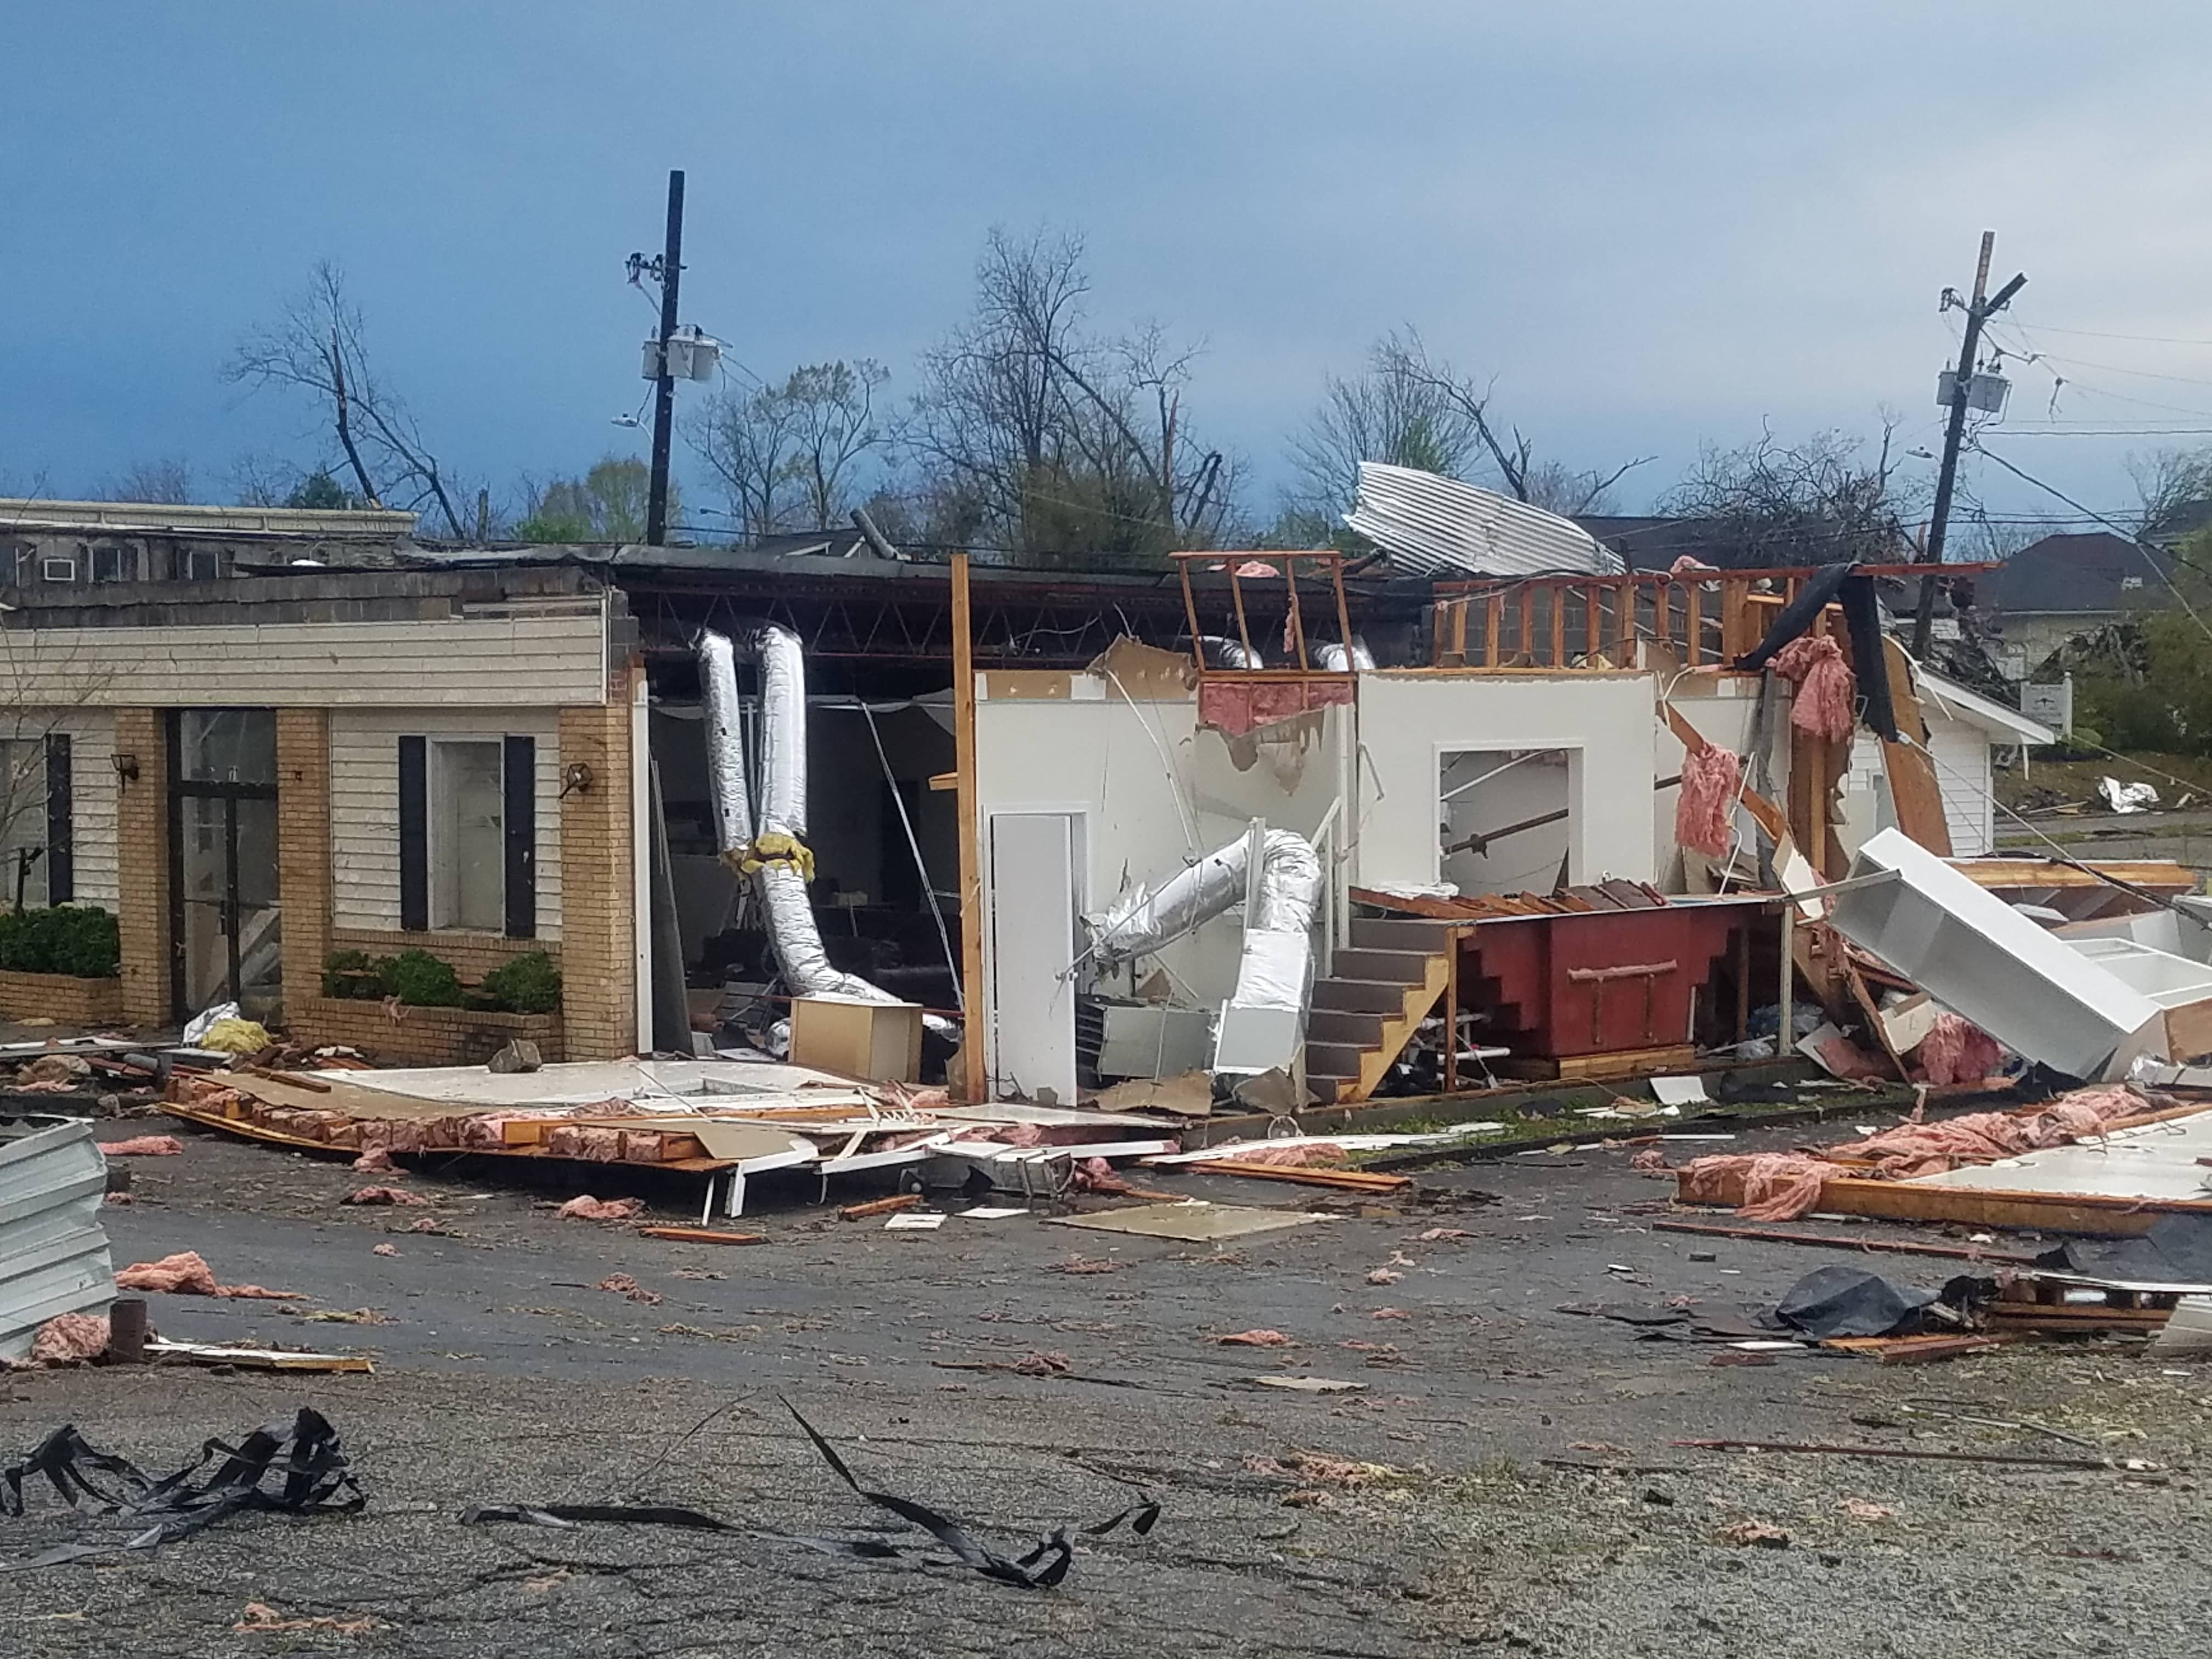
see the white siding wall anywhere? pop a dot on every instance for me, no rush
(365, 804)
(533, 657)
(1962, 774)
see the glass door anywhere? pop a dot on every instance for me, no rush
(226, 931)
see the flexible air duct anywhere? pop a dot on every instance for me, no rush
(1278, 944)
(1330, 656)
(770, 845)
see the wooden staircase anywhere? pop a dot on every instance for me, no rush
(1379, 988)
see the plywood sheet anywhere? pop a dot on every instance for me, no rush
(1193, 1222)
(1914, 790)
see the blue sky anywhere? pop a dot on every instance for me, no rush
(1655, 225)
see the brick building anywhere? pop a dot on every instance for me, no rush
(257, 772)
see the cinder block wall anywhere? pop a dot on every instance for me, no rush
(141, 834)
(599, 964)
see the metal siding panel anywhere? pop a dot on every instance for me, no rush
(1435, 525)
(53, 1252)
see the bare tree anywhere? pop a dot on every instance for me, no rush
(1031, 429)
(318, 345)
(2174, 487)
(1409, 409)
(795, 456)
(1815, 503)
(167, 483)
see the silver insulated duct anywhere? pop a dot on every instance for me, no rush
(767, 839)
(1273, 970)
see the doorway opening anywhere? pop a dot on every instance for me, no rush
(225, 935)
(1506, 819)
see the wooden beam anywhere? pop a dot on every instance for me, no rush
(974, 1011)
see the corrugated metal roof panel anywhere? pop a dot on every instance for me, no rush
(1432, 525)
(53, 1251)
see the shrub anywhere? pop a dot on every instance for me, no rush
(423, 981)
(355, 975)
(529, 984)
(77, 940)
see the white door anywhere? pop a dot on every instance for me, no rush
(1036, 898)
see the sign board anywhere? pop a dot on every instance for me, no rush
(2052, 704)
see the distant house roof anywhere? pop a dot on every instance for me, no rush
(1650, 542)
(2095, 573)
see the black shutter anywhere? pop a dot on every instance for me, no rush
(519, 781)
(61, 861)
(414, 835)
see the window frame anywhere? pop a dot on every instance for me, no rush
(48, 560)
(435, 791)
(126, 556)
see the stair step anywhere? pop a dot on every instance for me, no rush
(1332, 1059)
(1407, 967)
(1399, 934)
(1360, 996)
(1331, 1088)
(1363, 1031)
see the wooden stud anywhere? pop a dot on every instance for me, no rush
(1493, 621)
(1236, 592)
(1558, 595)
(1298, 617)
(1593, 617)
(1694, 625)
(1662, 626)
(1451, 1011)
(1190, 609)
(1343, 611)
(975, 1014)
(1459, 632)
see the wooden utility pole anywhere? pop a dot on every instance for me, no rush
(664, 390)
(975, 1003)
(1978, 311)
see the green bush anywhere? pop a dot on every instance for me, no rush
(77, 940)
(356, 976)
(529, 984)
(422, 981)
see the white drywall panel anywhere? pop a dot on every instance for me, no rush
(1140, 772)
(1409, 720)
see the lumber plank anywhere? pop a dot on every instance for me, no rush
(702, 1235)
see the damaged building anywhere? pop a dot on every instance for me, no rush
(1388, 826)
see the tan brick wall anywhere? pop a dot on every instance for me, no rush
(420, 1036)
(62, 998)
(142, 833)
(599, 965)
(303, 848)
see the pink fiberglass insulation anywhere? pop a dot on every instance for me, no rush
(1774, 1186)
(1956, 1050)
(1919, 1149)
(70, 1339)
(1706, 801)
(1826, 694)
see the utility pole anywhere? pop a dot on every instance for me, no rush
(1979, 310)
(664, 391)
